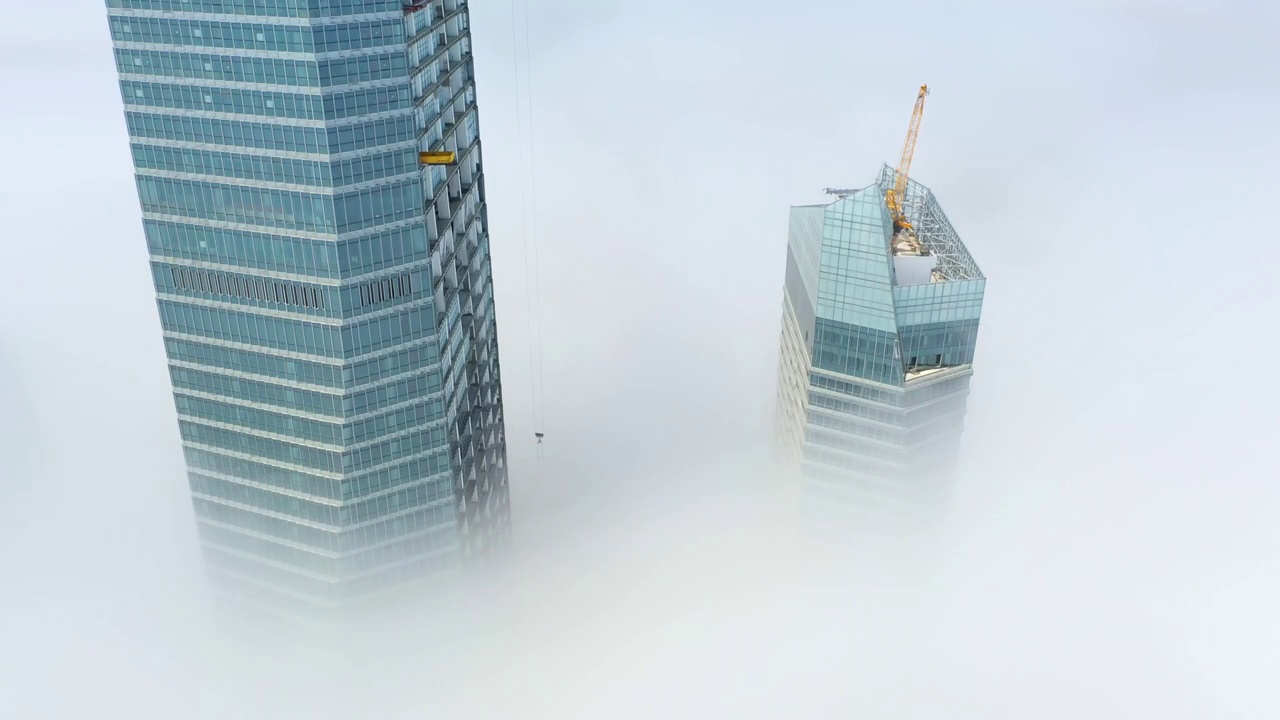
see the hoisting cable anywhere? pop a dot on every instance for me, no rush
(534, 352)
(533, 221)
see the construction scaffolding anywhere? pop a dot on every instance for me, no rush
(933, 231)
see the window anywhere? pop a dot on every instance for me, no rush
(261, 289)
(379, 291)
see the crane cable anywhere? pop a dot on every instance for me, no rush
(533, 290)
(533, 219)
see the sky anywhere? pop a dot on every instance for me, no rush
(1113, 551)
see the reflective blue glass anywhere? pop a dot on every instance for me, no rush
(880, 333)
(326, 301)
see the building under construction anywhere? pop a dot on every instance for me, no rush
(881, 308)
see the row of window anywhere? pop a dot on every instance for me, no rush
(336, 406)
(300, 482)
(410, 471)
(258, 36)
(252, 329)
(910, 420)
(265, 8)
(367, 101)
(951, 334)
(400, 391)
(888, 372)
(257, 363)
(363, 373)
(940, 313)
(234, 133)
(229, 68)
(392, 364)
(854, 389)
(232, 165)
(268, 71)
(853, 427)
(283, 209)
(254, 420)
(948, 292)
(393, 450)
(846, 407)
(358, 210)
(386, 289)
(266, 525)
(289, 210)
(270, 136)
(311, 561)
(379, 132)
(420, 521)
(213, 34)
(323, 258)
(264, 290)
(363, 68)
(267, 500)
(871, 344)
(396, 475)
(367, 168)
(858, 351)
(443, 538)
(406, 498)
(283, 396)
(849, 408)
(300, 336)
(935, 390)
(390, 423)
(400, 500)
(309, 457)
(267, 103)
(275, 169)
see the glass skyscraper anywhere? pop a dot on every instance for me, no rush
(326, 298)
(878, 338)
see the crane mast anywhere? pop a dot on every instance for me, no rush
(895, 196)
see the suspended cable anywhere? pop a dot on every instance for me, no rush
(533, 224)
(534, 385)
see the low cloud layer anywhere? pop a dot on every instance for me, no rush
(1112, 551)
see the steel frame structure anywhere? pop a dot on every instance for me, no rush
(932, 228)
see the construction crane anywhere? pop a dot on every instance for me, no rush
(895, 196)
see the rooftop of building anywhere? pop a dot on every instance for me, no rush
(933, 252)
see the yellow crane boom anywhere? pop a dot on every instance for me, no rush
(896, 195)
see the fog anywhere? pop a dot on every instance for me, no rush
(1113, 550)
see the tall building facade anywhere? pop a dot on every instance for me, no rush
(878, 338)
(326, 299)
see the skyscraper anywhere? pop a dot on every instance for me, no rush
(878, 337)
(326, 298)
